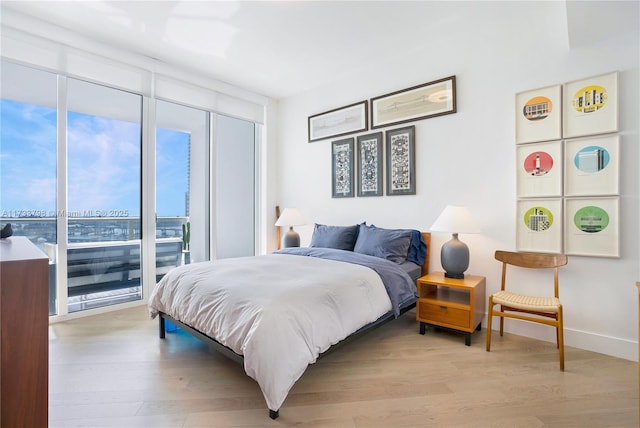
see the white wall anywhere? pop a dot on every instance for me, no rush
(468, 158)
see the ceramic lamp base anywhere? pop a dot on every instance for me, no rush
(291, 239)
(454, 257)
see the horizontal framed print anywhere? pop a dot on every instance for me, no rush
(342, 165)
(401, 161)
(591, 106)
(341, 121)
(539, 115)
(539, 169)
(539, 225)
(431, 99)
(592, 166)
(370, 155)
(592, 227)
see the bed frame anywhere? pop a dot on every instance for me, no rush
(273, 414)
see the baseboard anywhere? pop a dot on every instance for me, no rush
(96, 311)
(614, 346)
(607, 345)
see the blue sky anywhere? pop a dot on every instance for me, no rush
(103, 163)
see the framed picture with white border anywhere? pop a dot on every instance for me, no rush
(340, 121)
(342, 168)
(592, 166)
(370, 156)
(436, 98)
(539, 169)
(401, 161)
(591, 106)
(539, 115)
(539, 225)
(592, 227)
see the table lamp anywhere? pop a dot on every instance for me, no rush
(290, 217)
(454, 255)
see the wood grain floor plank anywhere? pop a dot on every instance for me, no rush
(112, 370)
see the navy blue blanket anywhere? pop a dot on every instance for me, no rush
(399, 286)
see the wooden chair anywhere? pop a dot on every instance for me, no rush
(544, 310)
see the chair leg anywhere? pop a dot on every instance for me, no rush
(501, 322)
(560, 332)
(489, 318)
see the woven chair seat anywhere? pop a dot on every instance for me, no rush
(528, 303)
(544, 310)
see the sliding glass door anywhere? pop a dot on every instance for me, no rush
(28, 160)
(104, 142)
(71, 180)
(182, 186)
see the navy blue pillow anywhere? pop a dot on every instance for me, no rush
(338, 237)
(417, 248)
(390, 244)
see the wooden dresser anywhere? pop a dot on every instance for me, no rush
(24, 334)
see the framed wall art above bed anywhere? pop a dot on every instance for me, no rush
(342, 168)
(401, 161)
(370, 156)
(341, 121)
(431, 99)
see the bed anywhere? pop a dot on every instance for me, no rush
(278, 313)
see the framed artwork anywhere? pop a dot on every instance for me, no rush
(592, 227)
(401, 161)
(340, 121)
(370, 157)
(591, 106)
(539, 115)
(342, 166)
(539, 169)
(539, 225)
(431, 99)
(592, 166)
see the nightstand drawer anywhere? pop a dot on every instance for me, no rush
(443, 314)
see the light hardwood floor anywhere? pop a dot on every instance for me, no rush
(113, 371)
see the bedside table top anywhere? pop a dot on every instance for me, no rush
(439, 279)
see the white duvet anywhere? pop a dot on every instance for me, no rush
(279, 311)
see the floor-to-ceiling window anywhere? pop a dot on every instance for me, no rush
(235, 148)
(182, 185)
(104, 146)
(28, 153)
(72, 173)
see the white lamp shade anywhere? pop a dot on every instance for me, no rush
(290, 217)
(455, 219)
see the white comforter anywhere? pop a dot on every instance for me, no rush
(279, 311)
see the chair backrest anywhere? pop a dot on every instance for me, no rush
(533, 261)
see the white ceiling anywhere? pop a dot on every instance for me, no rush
(282, 48)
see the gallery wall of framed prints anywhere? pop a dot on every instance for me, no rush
(358, 161)
(567, 163)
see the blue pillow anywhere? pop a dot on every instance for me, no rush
(417, 248)
(390, 244)
(338, 237)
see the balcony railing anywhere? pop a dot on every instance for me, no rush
(103, 256)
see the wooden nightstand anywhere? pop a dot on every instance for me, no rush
(452, 303)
